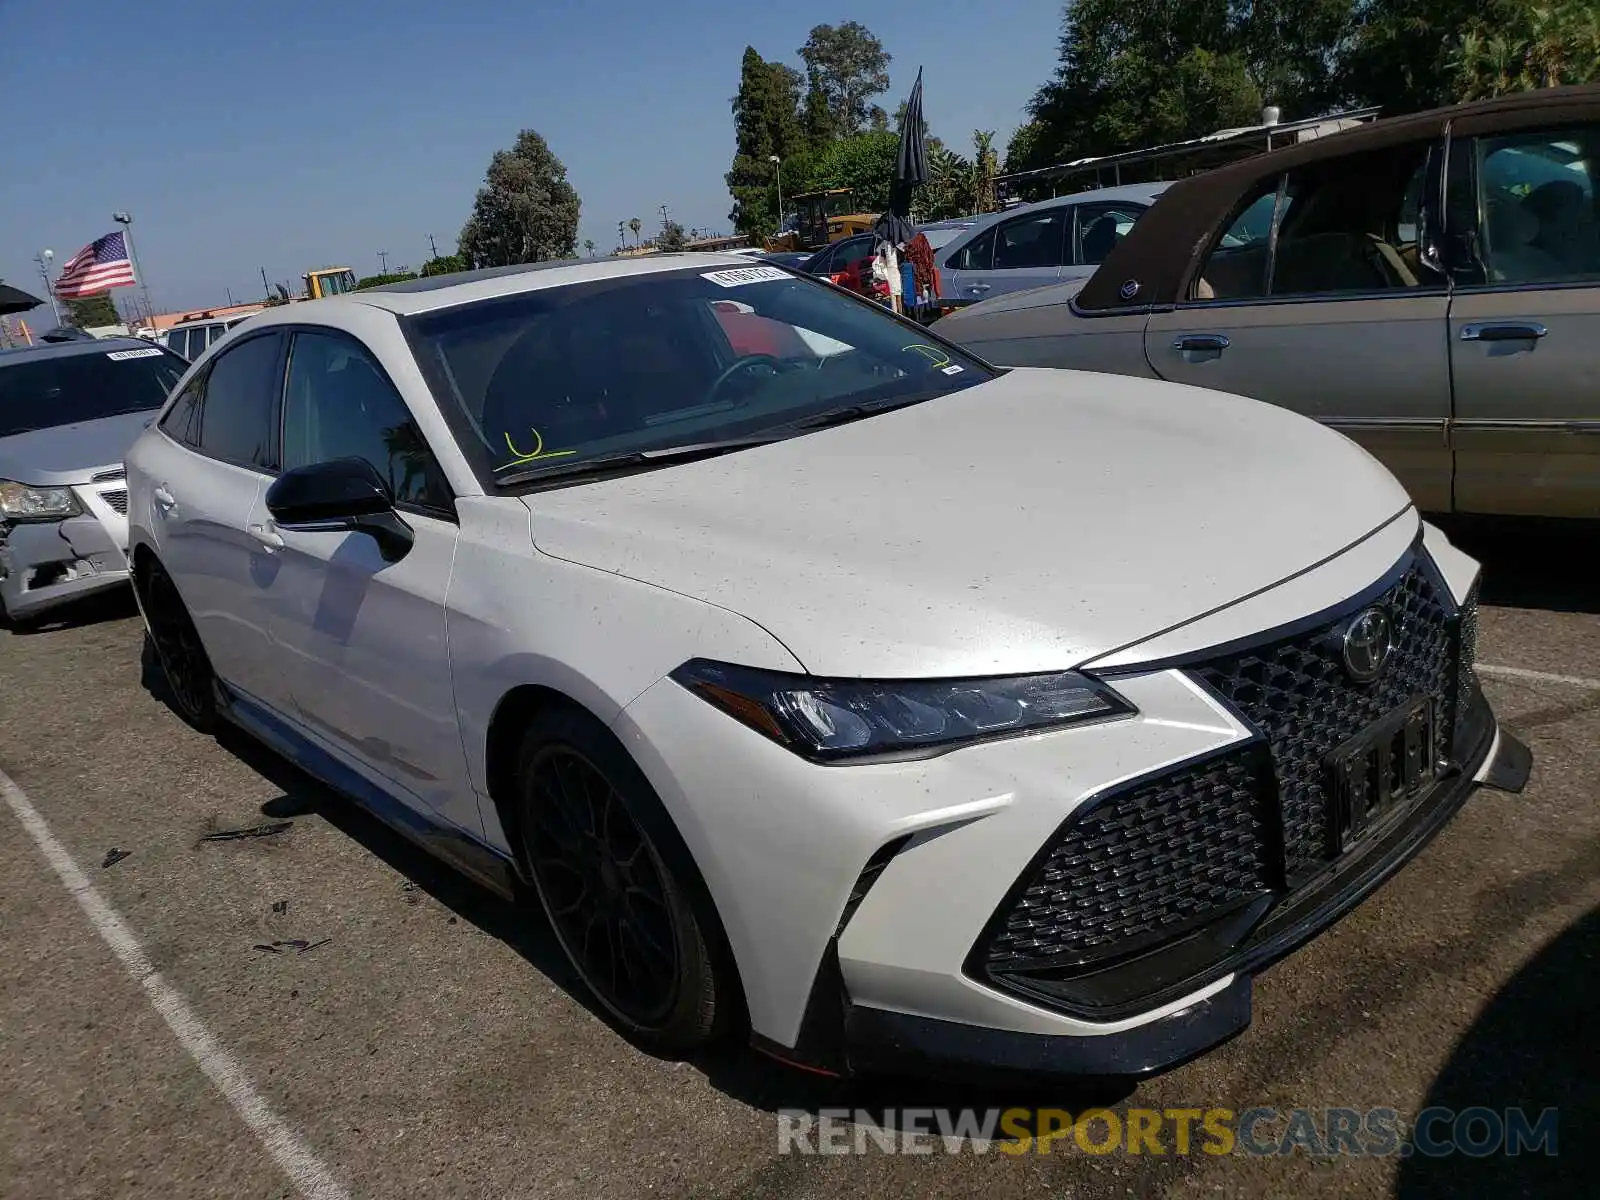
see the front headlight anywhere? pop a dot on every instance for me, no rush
(19, 502)
(830, 719)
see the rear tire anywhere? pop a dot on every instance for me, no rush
(171, 636)
(618, 887)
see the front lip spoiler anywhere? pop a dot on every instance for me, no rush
(879, 1041)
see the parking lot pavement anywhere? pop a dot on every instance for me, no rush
(417, 1038)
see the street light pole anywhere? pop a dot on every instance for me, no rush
(126, 221)
(778, 164)
(43, 259)
(383, 261)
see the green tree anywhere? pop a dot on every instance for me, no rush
(90, 312)
(444, 264)
(864, 163)
(636, 225)
(671, 237)
(1023, 151)
(525, 212)
(948, 190)
(1141, 73)
(1543, 45)
(588, 247)
(985, 166)
(846, 66)
(766, 121)
(1414, 54)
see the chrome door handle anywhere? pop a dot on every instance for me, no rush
(1504, 331)
(164, 499)
(269, 537)
(1215, 343)
(978, 287)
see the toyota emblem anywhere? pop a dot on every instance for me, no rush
(1367, 643)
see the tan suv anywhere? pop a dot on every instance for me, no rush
(1429, 285)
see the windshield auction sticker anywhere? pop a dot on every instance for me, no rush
(739, 276)
(124, 355)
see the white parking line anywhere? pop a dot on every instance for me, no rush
(292, 1155)
(1538, 676)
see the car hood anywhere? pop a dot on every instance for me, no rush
(70, 453)
(1034, 522)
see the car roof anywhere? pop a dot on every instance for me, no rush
(1157, 259)
(432, 292)
(21, 354)
(1144, 193)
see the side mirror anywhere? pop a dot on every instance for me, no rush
(345, 494)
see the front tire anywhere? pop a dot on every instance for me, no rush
(616, 885)
(185, 667)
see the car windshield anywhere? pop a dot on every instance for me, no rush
(42, 393)
(549, 379)
(944, 236)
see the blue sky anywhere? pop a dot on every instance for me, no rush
(285, 134)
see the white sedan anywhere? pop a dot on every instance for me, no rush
(889, 708)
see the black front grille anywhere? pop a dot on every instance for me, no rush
(116, 500)
(1297, 693)
(1145, 862)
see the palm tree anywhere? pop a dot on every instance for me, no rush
(588, 247)
(985, 166)
(636, 225)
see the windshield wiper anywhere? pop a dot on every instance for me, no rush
(516, 473)
(846, 413)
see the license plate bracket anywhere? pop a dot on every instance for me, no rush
(1381, 769)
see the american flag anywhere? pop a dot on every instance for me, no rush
(100, 265)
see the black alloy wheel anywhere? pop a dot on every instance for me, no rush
(621, 913)
(183, 659)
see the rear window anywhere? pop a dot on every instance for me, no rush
(44, 393)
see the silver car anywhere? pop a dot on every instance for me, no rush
(68, 412)
(1035, 245)
(1429, 285)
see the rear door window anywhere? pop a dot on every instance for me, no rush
(1037, 240)
(239, 411)
(1539, 213)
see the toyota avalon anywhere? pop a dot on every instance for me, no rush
(816, 679)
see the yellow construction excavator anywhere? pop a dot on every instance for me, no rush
(825, 216)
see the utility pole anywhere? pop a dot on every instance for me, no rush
(43, 259)
(383, 261)
(433, 248)
(265, 286)
(663, 218)
(126, 221)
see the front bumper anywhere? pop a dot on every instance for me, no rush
(878, 1040)
(864, 905)
(44, 564)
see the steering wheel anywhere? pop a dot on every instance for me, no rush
(741, 364)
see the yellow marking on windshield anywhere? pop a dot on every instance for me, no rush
(538, 451)
(936, 355)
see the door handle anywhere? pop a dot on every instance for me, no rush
(269, 537)
(978, 287)
(1213, 343)
(164, 499)
(1504, 331)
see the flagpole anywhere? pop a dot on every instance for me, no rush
(43, 259)
(126, 221)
